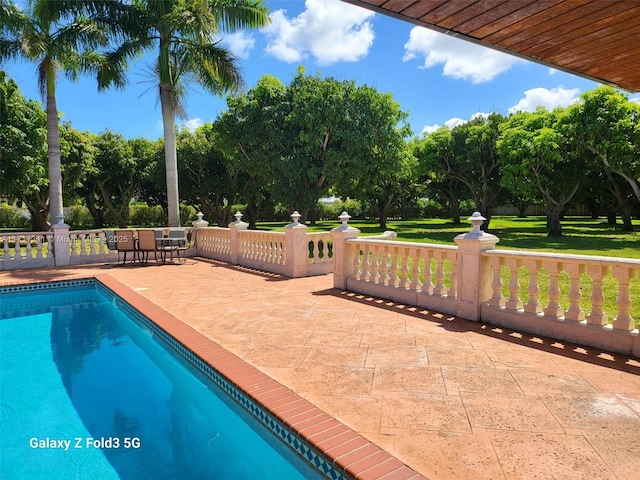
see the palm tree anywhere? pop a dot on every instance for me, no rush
(185, 34)
(59, 37)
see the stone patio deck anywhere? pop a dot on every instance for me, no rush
(452, 399)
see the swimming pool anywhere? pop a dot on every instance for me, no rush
(92, 389)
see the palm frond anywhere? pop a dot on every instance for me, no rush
(234, 15)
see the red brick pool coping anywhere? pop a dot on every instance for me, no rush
(351, 454)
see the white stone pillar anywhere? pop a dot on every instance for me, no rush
(474, 275)
(296, 247)
(197, 225)
(342, 262)
(61, 242)
(235, 228)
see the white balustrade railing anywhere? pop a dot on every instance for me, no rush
(419, 274)
(87, 246)
(26, 250)
(568, 289)
(293, 252)
(258, 249)
(320, 248)
(214, 243)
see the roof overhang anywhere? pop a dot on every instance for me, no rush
(596, 39)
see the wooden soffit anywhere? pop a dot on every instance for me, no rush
(596, 39)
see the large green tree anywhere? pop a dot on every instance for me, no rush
(120, 167)
(58, 37)
(475, 161)
(536, 155)
(318, 134)
(241, 133)
(436, 158)
(186, 36)
(605, 126)
(23, 165)
(207, 180)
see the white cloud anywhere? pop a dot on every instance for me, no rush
(480, 114)
(240, 43)
(635, 99)
(451, 123)
(193, 123)
(330, 31)
(460, 59)
(550, 99)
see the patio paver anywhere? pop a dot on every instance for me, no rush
(450, 398)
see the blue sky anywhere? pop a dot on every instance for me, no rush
(438, 80)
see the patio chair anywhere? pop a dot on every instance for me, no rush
(178, 242)
(147, 243)
(125, 242)
(111, 239)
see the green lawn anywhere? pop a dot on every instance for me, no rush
(582, 236)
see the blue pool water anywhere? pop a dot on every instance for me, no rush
(88, 392)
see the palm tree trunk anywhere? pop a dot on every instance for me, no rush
(170, 155)
(53, 154)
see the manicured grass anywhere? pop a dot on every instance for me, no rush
(582, 236)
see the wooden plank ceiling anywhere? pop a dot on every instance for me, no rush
(597, 39)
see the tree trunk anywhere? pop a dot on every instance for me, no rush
(252, 213)
(554, 213)
(53, 153)
(382, 217)
(96, 214)
(455, 211)
(170, 154)
(625, 207)
(38, 216)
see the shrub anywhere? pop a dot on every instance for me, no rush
(143, 215)
(13, 217)
(78, 217)
(187, 215)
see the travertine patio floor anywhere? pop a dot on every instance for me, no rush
(452, 399)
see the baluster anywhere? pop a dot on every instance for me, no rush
(623, 320)
(596, 315)
(17, 249)
(533, 305)
(384, 265)
(28, 247)
(553, 308)
(365, 263)
(38, 239)
(393, 270)
(514, 302)
(439, 288)
(404, 270)
(71, 244)
(316, 251)
(93, 245)
(325, 249)
(49, 239)
(416, 285)
(356, 270)
(5, 248)
(574, 312)
(83, 244)
(496, 300)
(427, 284)
(375, 264)
(453, 289)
